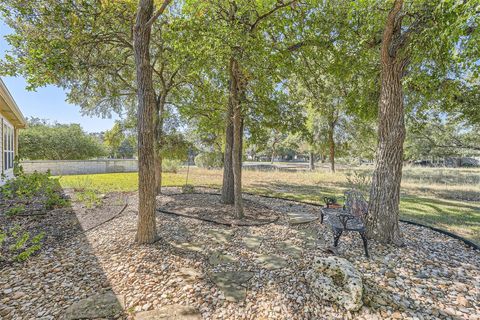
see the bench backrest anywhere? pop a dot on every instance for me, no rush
(356, 204)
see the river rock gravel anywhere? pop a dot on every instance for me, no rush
(433, 276)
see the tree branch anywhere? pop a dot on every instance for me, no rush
(277, 7)
(158, 13)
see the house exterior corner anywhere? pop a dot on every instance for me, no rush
(11, 121)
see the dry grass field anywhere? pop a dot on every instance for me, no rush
(442, 197)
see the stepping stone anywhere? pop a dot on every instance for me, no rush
(252, 242)
(189, 275)
(222, 236)
(217, 258)
(272, 261)
(232, 284)
(107, 305)
(299, 218)
(171, 312)
(181, 234)
(310, 238)
(289, 248)
(190, 246)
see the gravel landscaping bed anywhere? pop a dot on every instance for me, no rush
(209, 207)
(255, 272)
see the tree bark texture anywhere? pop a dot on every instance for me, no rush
(158, 172)
(160, 107)
(228, 180)
(382, 221)
(146, 226)
(237, 136)
(331, 143)
(312, 161)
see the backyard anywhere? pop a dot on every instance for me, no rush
(70, 253)
(239, 160)
(446, 198)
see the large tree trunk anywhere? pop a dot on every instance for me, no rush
(158, 172)
(146, 226)
(382, 222)
(240, 149)
(312, 161)
(160, 107)
(331, 143)
(228, 180)
(237, 138)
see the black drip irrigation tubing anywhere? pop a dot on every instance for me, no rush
(453, 235)
(103, 222)
(229, 224)
(467, 242)
(72, 236)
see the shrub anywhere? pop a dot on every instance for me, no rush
(171, 165)
(359, 180)
(89, 197)
(188, 188)
(35, 185)
(15, 210)
(19, 244)
(209, 160)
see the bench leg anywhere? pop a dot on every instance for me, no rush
(336, 236)
(321, 217)
(365, 245)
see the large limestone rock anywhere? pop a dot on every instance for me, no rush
(106, 305)
(336, 279)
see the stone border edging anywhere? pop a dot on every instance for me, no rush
(467, 242)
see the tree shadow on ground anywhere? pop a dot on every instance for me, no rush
(277, 285)
(460, 217)
(64, 271)
(312, 193)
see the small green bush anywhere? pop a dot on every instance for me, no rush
(15, 210)
(359, 180)
(89, 197)
(35, 185)
(171, 165)
(20, 243)
(209, 160)
(188, 188)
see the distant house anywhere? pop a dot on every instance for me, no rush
(11, 120)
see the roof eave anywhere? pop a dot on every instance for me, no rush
(20, 121)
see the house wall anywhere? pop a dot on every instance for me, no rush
(5, 173)
(67, 167)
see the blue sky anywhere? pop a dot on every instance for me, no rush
(47, 102)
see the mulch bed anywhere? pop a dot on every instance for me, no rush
(207, 207)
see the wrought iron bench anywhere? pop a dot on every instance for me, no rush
(349, 218)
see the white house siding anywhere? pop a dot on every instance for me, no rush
(5, 125)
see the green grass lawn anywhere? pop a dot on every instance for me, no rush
(444, 198)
